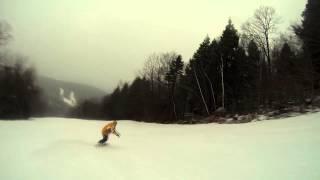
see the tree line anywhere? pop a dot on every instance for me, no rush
(20, 97)
(256, 70)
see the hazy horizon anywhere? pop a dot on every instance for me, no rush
(100, 43)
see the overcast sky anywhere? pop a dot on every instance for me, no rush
(100, 42)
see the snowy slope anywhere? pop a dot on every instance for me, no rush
(64, 149)
(71, 101)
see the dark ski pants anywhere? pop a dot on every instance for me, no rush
(103, 140)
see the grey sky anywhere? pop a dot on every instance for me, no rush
(100, 42)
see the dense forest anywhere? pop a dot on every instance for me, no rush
(20, 97)
(254, 69)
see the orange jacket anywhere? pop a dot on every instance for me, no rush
(110, 128)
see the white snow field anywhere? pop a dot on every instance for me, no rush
(65, 149)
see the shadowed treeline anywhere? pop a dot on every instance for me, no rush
(20, 98)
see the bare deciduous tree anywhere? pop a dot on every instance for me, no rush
(260, 28)
(149, 69)
(156, 67)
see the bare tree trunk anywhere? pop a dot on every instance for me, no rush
(222, 81)
(260, 83)
(212, 91)
(174, 107)
(260, 28)
(311, 71)
(171, 94)
(269, 76)
(204, 102)
(152, 83)
(268, 56)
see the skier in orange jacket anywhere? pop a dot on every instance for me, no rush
(107, 129)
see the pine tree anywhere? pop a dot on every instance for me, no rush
(254, 76)
(229, 50)
(172, 77)
(286, 75)
(197, 81)
(309, 32)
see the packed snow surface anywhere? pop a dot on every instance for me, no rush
(65, 149)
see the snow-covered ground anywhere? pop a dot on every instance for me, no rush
(65, 149)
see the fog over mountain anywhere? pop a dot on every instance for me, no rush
(61, 95)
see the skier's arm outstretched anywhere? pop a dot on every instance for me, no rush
(115, 132)
(109, 128)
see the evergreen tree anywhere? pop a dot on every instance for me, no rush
(172, 77)
(230, 58)
(20, 97)
(254, 75)
(213, 71)
(309, 32)
(196, 79)
(286, 76)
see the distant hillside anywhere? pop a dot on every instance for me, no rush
(62, 95)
